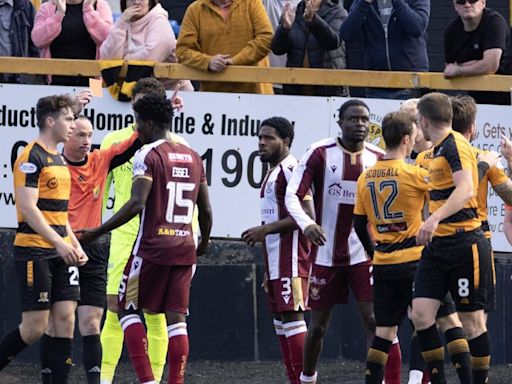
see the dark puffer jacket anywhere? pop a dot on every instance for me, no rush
(319, 39)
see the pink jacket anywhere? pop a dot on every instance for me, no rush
(48, 24)
(149, 38)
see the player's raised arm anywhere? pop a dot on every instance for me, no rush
(205, 218)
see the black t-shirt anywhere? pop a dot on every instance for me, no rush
(73, 42)
(461, 46)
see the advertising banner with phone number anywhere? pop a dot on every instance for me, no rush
(223, 129)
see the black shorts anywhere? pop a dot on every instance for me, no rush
(447, 307)
(93, 275)
(392, 292)
(461, 269)
(43, 282)
(491, 287)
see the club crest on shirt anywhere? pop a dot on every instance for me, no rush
(314, 293)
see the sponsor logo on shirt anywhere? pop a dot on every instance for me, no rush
(28, 168)
(173, 232)
(181, 157)
(139, 168)
(336, 190)
(181, 173)
(52, 183)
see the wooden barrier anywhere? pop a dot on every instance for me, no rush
(353, 78)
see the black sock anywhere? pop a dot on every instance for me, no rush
(480, 348)
(11, 345)
(376, 360)
(433, 353)
(44, 357)
(61, 359)
(459, 353)
(416, 361)
(91, 358)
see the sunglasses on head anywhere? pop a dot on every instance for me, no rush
(462, 2)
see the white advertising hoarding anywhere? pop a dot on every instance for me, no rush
(223, 129)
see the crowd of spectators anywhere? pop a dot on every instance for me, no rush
(293, 33)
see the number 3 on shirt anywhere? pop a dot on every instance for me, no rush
(389, 184)
(176, 199)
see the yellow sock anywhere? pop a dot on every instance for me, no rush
(112, 338)
(158, 342)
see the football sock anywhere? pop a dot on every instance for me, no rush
(91, 358)
(44, 358)
(112, 345)
(137, 343)
(61, 359)
(178, 352)
(459, 353)
(295, 332)
(285, 351)
(426, 377)
(11, 345)
(416, 362)
(376, 360)
(308, 379)
(433, 353)
(394, 363)
(158, 342)
(480, 348)
(415, 377)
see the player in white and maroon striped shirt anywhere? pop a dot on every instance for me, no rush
(330, 168)
(285, 248)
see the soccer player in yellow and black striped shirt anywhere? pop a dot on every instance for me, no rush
(46, 251)
(389, 197)
(455, 257)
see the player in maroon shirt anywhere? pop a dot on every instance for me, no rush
(169, 180)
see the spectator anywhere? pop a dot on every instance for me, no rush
(71, 29)
(396, 38)
(218, 33)
(474, 43)
(274, 10)
(143, 32)
(16, 22)
(311, 39)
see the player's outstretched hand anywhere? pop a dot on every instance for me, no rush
(86, 235)
(69, 254)
(426, 232)
(490, 158)
(201, 248)
(506, 148)
(254, 235)
(316, 234)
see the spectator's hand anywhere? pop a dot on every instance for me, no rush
(130, 12)
(506, 148)
(176, 101)
(218, 63)
(288, 15)
(83, 98)
(315, 234)
(88, 3)
(61, 6)
(311, 9)
(452, 70)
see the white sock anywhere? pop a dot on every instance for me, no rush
(308, 379)
(415, 376)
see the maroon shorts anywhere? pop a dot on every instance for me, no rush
(288, 294)
(330, 285)
(154, 287)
